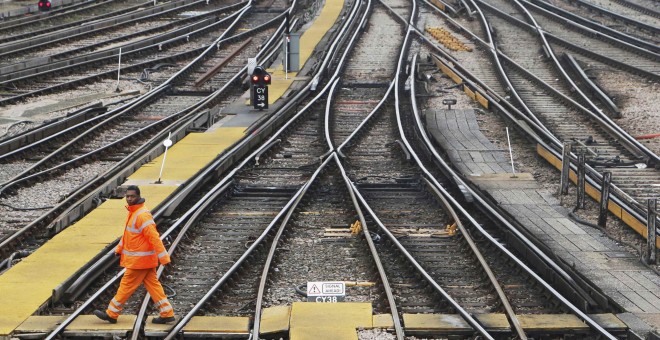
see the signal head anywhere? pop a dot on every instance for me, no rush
(44, 5)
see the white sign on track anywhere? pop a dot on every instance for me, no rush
(321, 291)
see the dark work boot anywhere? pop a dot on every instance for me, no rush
(162, 320)
(104, 316)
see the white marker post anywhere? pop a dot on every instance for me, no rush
(510, 152)
(167, 143)
(118, 71)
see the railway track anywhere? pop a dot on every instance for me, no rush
(296, 197)
(18, 28)
(182, 47)
(107, 143)
(608, 151)
(131, 28)
(617, 24)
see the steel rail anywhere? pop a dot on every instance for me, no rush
(503, 220)
(326, 118)
(152, 145)
(574, 18)
(548, 140)
(137, 48)
(105, 119)
(194, 182)
(397, 80)
(105, 73)
(493, 212)
(365, 121)
(596, 112)
(191, 213)
(31, 173)
(48, 129)
(255, 130)
(275, 137)
(552, 144)
(529, 118)
(639, 8)
(193, 210)
(93, 27)
(511, 316)
(648, 55)
(206, 173)
(12, 23)
(172, 333)
(25, 175)
(35, 65)
(198, 211)
(492, 48)
(591, 86)
(256, 152)
(271, 253)
(398, 328)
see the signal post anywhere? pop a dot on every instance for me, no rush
(260, 79)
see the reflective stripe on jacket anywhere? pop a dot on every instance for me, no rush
(140, 246)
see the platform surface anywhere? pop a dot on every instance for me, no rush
(617, 273)
(338, 321)
(471, 152)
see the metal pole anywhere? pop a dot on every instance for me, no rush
(513, 169)
(651, 230)
(581, 182)
(118, 71)
(286, 57)
(565, 168)
(604, 198)
(167, 143)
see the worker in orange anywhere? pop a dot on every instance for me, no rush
(141, 250)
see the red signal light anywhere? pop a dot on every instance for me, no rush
(48, 4)
(255, 78)
(267, 79)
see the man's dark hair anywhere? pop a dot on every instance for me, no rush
(135, 188)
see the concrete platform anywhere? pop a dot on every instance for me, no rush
(90, 325)
(336, 321)
(275, 319)
(601, 260)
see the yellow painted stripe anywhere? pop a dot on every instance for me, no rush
(482, 100)
(469, 92)
(189, 155)
(281, 82)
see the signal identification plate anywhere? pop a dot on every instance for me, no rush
(322, 291)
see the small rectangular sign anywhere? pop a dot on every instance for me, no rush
(260, 96)
(321, 291)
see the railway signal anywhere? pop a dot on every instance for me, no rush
(260, 80)
(44, 5)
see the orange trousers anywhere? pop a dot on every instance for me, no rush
(130, 282)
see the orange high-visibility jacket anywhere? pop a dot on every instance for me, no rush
(141, 247)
